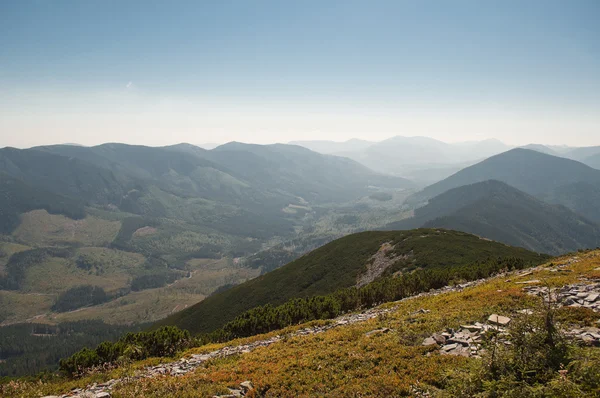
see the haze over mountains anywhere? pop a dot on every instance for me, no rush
(427, 160)
(130, 234)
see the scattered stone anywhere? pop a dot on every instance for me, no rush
(582, 294)
(499, 320)
(429, 341)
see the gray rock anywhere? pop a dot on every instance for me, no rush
(439, 338)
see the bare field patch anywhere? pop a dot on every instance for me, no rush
(145, 231)
(23, 307)
(55, 275)
(39, 228)
(149, 305)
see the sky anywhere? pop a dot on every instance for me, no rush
(162, 72)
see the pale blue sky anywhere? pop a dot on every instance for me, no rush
(158, 72)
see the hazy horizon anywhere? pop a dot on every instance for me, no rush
(211, 145)
(155, 73)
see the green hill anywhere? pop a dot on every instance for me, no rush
(500, 212)
(532, 172)
(338, 265)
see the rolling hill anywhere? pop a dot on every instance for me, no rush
(495, 210)
(339, 264)
(537, 174)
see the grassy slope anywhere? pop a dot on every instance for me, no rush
(337, 265)
(344, 361)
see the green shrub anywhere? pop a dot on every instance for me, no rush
(163, 342)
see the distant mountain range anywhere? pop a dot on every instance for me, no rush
(426, 161)
(495, 210)
(333, 147)
(249, 182)
(549, 178)
(423, 159)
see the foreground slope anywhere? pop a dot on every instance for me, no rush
(364, 355)
(495, 210)
(339, 264)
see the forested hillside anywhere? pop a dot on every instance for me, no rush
(339, 265)
(494, 210)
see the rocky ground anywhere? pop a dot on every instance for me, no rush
(466, 341)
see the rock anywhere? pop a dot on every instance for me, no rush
(103, 395)
(429, 341)
(471, 328)
(531, 282)
(440, 339)
(246, 386)
(449, 347)
(592, 297)
(499, 320)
